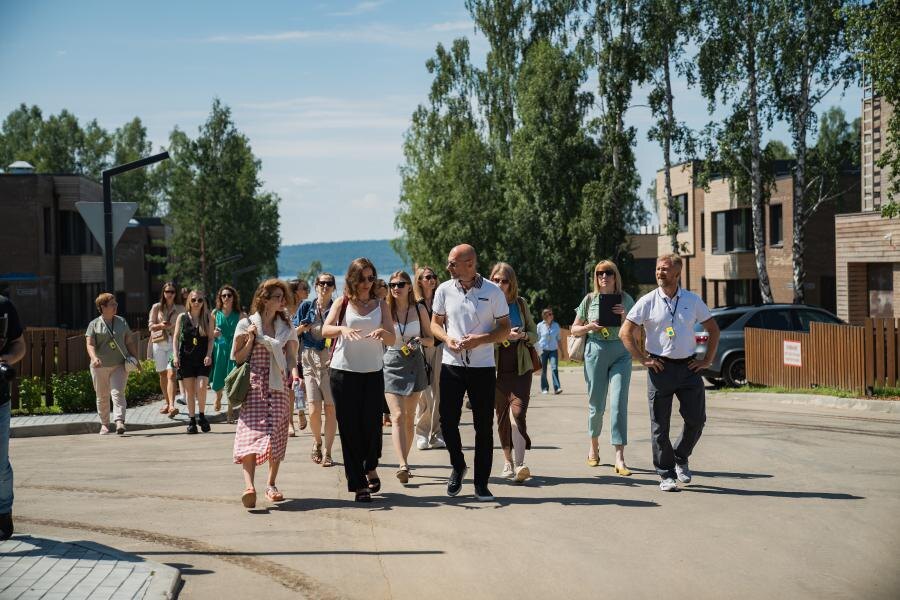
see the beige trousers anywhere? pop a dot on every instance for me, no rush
(428, 420)
(109, 382)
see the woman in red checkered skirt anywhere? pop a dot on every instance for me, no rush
(267, 339)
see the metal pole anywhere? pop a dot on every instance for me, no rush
(107, 232)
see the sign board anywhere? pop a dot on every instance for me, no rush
(792, 357)
(92, 213)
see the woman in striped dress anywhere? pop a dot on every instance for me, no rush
(269, 342)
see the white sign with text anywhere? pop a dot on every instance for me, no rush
(792, 356)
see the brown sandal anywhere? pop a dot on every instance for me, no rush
(248, 499)
(316, 454)
(164, 410)
(273, 494)
(302, 419)
(327, 461)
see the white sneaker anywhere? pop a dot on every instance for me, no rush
(438, 442)
(421, 442)
(104, 430)
(522, 473)
(668, 485)
(508, 471)
(543, 391)
(683, 472)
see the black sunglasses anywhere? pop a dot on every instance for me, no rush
(197, 300)
(399, 285)
(169, 292)
(226, 295)
(428, 277)
(500, 280)
(370, 278)
(605, 272)
(326, 283)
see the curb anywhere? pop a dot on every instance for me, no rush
(83, 427)
(862, 404)
(165, 581)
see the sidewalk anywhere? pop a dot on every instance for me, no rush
(140, 417)
(39, 567)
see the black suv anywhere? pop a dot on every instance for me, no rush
(728, 365)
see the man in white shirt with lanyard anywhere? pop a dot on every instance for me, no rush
(470, 316)
(668, 315)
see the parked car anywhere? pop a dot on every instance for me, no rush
(728, 367)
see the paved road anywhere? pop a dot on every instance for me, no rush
(787, 501)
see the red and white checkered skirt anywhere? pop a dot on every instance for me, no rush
(262, 427)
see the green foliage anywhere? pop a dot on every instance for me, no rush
(31, 393)
(130, 143)
(74, 392)
(143, 383)
(19, 135)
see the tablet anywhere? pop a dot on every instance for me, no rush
(606, 317)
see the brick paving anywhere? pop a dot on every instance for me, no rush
(49, 569)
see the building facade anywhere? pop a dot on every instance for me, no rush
(868, 245)
(715, 238)
(51, 265)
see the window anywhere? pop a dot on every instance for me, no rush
(881, 289)
(808, 316)
(776, 225)
(681, 201)
(726, 319)
(772, 319)
(732, 231)
(702, 231)
(48, 231)
(74, 235)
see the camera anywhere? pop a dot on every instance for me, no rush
(7, 373)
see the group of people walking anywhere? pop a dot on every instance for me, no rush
(423, 350)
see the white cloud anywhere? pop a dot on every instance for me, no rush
(62, 52)
(358, 9)
(338, 149)
(452, 26)
(369, 201)
(303, 183)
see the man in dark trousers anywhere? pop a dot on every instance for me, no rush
(12, 350)
(668, 315)
(470, 316)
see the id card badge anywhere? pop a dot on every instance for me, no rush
(328, 342)
(113, 345)
(670, 331)
(505, 343)
(404, 350)
(604, 332)
(195, 341)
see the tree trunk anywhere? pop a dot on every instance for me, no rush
(798, 245)
(756, 192)
(667, 156)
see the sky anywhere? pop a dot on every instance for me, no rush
(323, 90)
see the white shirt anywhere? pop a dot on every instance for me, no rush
(365, 355)
(468, 312)
(656, 312)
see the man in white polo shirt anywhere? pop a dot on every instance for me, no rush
(470, 316)
(668, 315)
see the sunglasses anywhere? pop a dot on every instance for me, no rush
(325, 283)
(370, 278)
(607, 273)
(167, 292)
(499, 280)
(226, 295)
(398, 284)
(197, 300)
(428, 277)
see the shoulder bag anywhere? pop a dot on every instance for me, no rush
(237, 382)
(535, 358)
(131, 363)
(575, 343)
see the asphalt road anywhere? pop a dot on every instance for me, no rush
(787, 501)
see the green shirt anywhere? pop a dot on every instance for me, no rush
(589, 310)
(107, 346)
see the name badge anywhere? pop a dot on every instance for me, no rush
(670, 331)
(113, 345)
(604, 332)
(195, 341)
(328, 342)
(405, 350)
(505, 343)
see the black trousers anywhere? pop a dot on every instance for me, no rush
(479, 383)
(675, 380)
(357, 405)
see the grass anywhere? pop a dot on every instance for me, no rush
(879, 394)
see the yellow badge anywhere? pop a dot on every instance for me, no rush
(604, 332)
(113, 345)
(670, 331)
(195, 341)
(328, 342)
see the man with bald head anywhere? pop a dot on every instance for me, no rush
(470, 316)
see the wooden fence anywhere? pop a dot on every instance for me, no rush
(848, 357)
(49, 350)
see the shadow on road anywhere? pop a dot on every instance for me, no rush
(712, 489)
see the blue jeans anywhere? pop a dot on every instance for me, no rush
(6, 472)
(549, 356)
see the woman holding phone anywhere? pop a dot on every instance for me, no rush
(607, 364)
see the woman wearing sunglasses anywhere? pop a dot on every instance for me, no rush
(162, 325)
(315, 358)
(514, 374)
(404, 365)
(362, 325)
(226, 316)
(194, 332)
(428, 421)
(607, 364)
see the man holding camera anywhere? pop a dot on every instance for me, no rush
(12, 350)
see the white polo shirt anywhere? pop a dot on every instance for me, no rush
(475, 311)
(656, 312)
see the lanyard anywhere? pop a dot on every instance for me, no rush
(401, 327)
(672, 311)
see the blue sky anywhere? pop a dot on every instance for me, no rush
(324, 90)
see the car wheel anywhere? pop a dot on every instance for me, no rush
(735, 372)
(714, 381)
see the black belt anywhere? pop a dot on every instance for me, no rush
(674, 361)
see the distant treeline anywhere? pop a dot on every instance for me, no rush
(335, 256)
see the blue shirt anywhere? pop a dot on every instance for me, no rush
(548, 336)
(515, 315)
(307, 313)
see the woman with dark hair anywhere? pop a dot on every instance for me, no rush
(226, 316)
(404, 365)
(299, 293)
(266, 339)
(607, 365)
(381, 292)
(315, 359)
(428, 421)
(161, 323)
(193, 358)
(514, 375)
(362, 325)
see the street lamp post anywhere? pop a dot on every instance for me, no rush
(109, 249)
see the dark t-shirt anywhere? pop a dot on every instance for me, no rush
(10, 330)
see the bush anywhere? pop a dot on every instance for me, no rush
(142, 383)
(74, 392)
(31, 394)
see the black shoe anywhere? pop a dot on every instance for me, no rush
(6, 526)
(454, 484)
(192, 426)
(204, 424)
(483, 494)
